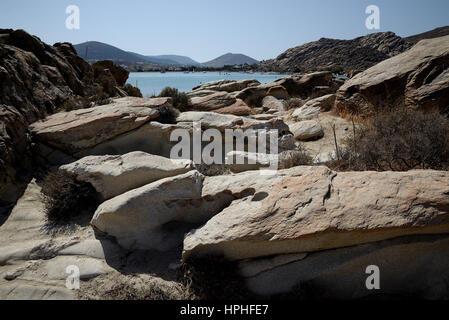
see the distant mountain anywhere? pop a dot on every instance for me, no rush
(435, 33)
(102, 51)
(229, 59)
(183, 60)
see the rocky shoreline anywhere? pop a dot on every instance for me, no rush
(306, 225)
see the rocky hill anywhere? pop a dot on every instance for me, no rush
(435, 33)
(101, 51)
(230, 59)
(356, 54)
(182, 60)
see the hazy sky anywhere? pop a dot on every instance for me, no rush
(205, 29)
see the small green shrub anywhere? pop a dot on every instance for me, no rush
(65, 197)
(180, 100)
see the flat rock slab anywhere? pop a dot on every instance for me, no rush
(24, 290)
(89, 268)
(307, 209)
(116, 174)
(77, 130)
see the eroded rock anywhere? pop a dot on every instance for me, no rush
(416, 78)
(307, 209)
(117, 174)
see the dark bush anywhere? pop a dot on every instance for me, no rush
(255, 100)
(180, 100)
(167, 115)
(398, 141)
(66, 198)
(132, 91)
(214, 278)
(293, 103)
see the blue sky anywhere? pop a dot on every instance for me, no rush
(205, 29)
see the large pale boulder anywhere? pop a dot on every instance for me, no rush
(313, 107)
(210, 120)
(85, 128)
(112, 175)
(307, 130)
(325, 102)
(418, 77)
(156, 216)
(307, 209)
(306, 112)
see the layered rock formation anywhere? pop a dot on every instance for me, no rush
(77, 130)
(312, 226)
(417, 78)
(359, 53)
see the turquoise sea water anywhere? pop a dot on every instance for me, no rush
(152, 83)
